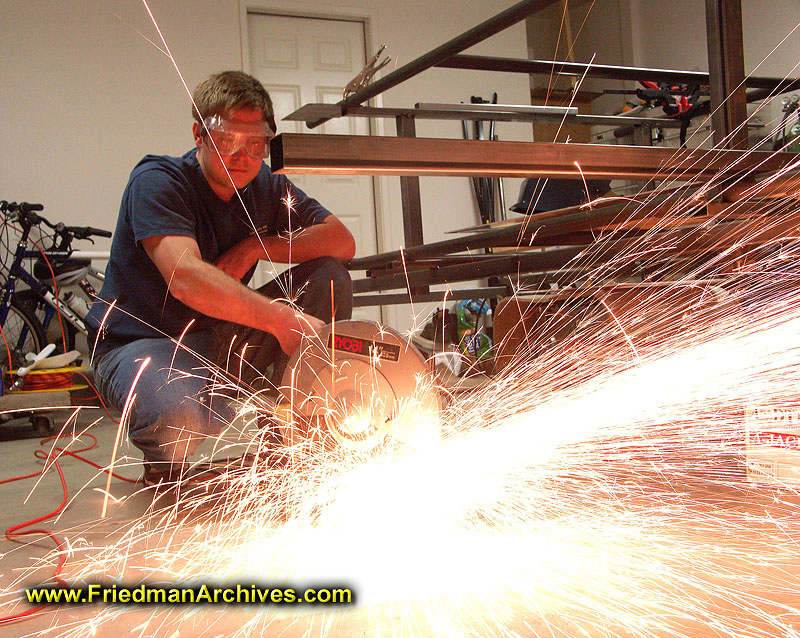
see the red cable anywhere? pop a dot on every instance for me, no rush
(91, 385)
(13, 532)
(8, 350)
(43, 380)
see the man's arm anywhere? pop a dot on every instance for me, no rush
(329, 238)
(210, 291)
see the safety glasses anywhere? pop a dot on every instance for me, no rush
(228, 137)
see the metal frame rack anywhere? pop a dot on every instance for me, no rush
(568, 231)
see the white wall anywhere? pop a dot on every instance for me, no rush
(86, 96)
(677, 39)
(600, 35)
(673, 34)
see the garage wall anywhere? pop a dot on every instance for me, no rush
(86, 95)
(674, 34)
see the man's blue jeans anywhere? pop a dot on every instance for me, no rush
(176, 404)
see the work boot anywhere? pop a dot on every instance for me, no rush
(163, 474)
(175, 480)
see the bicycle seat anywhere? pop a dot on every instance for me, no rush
(66, 272)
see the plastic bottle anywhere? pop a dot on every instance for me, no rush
(76, 303)
(793, 137)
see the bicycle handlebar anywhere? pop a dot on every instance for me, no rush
(22, 207)
(24, 212)
(84, 232)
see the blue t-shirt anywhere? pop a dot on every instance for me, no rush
(170, 196)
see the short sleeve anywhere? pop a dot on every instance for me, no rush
(158, 205)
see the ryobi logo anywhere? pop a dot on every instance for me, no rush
(365, 347)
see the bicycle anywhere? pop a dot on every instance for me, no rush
(58, 271)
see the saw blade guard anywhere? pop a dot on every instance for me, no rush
(358, 384)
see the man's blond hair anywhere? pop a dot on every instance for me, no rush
(227, 91)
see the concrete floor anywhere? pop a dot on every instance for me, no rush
(82, 524)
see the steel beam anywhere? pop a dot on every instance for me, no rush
(476, 34)
(409, 192)
(726, 66)
(497, 113)
(540, 226)
(368, 155)
(551, 227)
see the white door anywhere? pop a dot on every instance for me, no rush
(303, 60)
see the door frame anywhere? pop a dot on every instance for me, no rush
(369, 18)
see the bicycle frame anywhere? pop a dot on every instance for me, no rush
(17, 271)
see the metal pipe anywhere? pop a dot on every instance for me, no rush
(664, 245)
(607, 71)
(500, 113)
(756, 95)
(521, 262)
(501, 191)
(726, 67)
(383, 299)
(542, 225)
(476, 34)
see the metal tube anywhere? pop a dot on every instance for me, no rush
(366, 155)
(679, 242)
(542, 225)
(726, 66)
(607, 71)
(500, 113)
(476, 34)
(383, 299)
(501, 192)
(521, 262)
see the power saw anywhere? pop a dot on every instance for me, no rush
(359, 385)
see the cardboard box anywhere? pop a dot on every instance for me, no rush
(772, 445)
(643, 314)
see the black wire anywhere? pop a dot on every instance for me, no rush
(5, 248)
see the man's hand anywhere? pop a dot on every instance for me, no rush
(329, 238)
(291, 327)
(239, 259)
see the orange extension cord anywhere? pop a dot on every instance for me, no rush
(51, 460)
(16, 531)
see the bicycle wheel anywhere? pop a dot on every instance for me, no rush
(52, 330)
(23, 334)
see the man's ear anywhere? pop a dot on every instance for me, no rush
(198, 134)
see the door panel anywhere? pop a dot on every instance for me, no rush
(302, 60)
(277, 51)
